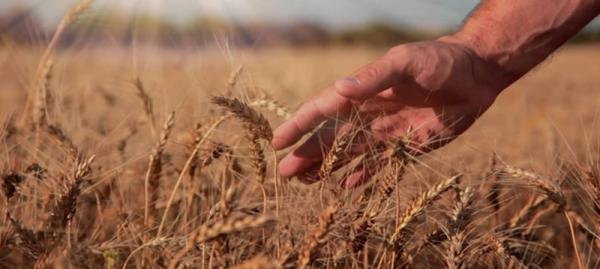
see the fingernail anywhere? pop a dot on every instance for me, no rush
(347, 82)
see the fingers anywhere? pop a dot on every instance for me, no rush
(336, 100)
(370, 80)
(371, 164)
(310, 153)
(327, 104)
(305, 161)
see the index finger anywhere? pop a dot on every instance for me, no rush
(327, 104)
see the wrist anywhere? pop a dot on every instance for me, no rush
(486, 66)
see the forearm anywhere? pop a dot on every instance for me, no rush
(516, 35)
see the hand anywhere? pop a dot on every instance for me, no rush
(436, 89)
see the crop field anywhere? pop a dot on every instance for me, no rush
(150, 157)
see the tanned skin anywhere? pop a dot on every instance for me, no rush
(433, 90)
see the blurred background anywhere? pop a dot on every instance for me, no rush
(254, 23)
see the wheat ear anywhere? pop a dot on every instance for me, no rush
(264, 101)
(144, 96)
(65, 141)
(41, 105)
(340, 144)
(416, 208)
(461, 216)
(39, 87)
(62, 214)
(255, 122)
(230, 226)
(64, 209)
(153, 174)
(386, 188)
(547, 186)
(316, 237)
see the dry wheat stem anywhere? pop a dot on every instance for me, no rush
(184, 171)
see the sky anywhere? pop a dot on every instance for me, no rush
(422, 14)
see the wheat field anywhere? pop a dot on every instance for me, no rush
(159, 158)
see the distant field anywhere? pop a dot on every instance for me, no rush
(217, 207)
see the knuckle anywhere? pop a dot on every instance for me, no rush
(370, 72)
(377, 69)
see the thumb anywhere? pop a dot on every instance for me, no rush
(369, 80)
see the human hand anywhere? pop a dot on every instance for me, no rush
(435, 89)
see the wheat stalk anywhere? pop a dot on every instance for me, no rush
(182, 173)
